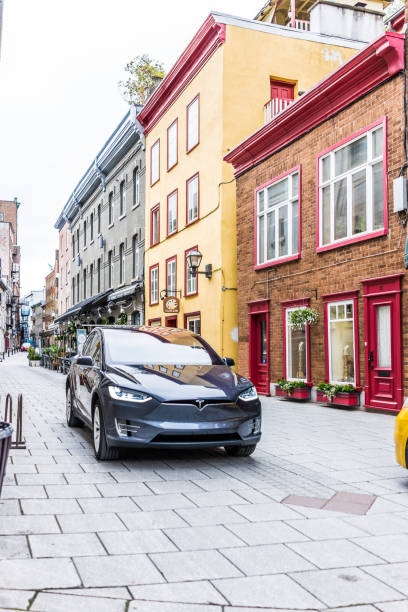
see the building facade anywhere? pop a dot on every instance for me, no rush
(10, 265)
(234, 76)
(37, 327)
(64, 266)
(51, 303)
(318, 228)
(105, 217)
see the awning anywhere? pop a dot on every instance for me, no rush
(84, 306)
(68, 313)
(125, 292)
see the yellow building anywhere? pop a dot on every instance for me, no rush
(235, 75)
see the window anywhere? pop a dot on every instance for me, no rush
(73, 290)
(171, 276)
(154, 284)
(172, 145)
(155, 225)
(110, 208)
(122, 198)
(77, 286)
(84, 233)
(77, 240)
(155, 322)
(351, 190)
(193, 123)
(340, 340)
(110, 268)
(91, 273)
(155, 163)
(135, 318)
(1, 217)
(66, 272)
(135, 251)
(122, 264)
(277, 220)
(172, 201)
(73, 247)
(98, 275)
(99, 218)
(136, 187)
(191, 287)
(192, 199)
(193, 322)
(296, 345)
(91, 226)
(84, 285)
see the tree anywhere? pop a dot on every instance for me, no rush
(144, 76)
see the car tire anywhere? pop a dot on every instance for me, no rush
(240, 451)
(72, 420)
(103, 452)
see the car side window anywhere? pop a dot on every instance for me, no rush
(87, 345)
(95, 350)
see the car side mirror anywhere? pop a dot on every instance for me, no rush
(229, 362)
(85, 361)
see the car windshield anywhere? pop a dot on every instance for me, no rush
(161, 346)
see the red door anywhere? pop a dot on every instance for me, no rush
(282, 91)
(259, 346)
(383, 388)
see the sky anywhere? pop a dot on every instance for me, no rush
(60, 64)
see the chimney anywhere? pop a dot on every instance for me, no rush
(346, 21)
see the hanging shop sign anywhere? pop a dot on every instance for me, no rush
(171, 305)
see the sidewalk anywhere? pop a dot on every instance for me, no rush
(162, 531)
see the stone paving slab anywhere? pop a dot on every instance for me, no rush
(181, 531)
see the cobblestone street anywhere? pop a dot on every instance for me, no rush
(203, 532)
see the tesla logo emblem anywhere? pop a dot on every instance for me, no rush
(200, 404)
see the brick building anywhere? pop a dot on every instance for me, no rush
(316, 228)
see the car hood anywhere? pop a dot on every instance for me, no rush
(169, 382)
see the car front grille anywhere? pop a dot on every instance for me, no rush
(196, 437)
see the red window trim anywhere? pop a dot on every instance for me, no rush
(173, 258)
(197, 97)
(298, 255)
(152, 211)
(167, 223)
(342, 296)
(285, 306)
(357, 238)
(197, 313)
(155, 320)
(186, 252)
(170, 318)
(150, 284)
(176, 162)
(151, 167)
(196, 175)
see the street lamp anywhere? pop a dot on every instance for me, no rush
(193, 262)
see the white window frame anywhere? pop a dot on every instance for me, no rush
(343, 303)
(136, 187)
(122, 264)
(368, 167)
(122, 198)
(194, 180)
(171, 276)
(172, 145)
(288, 326)
(191, 281)
(292, 178)
(135, 245)
(194, 319)
(193, 123)
(154, 285)
(111, 269)
(155, 221)
(172, 206)
(155, 162)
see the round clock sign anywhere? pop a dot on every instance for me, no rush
(171, 305)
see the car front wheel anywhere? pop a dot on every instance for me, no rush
(240, 451)
(103, 452)
(72, 420)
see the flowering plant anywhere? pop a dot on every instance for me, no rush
(301, 317)
(288, 386)
(332, 390)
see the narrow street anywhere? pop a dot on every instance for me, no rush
(200, 531)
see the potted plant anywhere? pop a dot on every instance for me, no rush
(340, 395)
(300, 317)
(295, 389)
(33, 357)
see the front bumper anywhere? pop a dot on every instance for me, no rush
(182, 424)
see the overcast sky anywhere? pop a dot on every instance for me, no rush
(59, 100)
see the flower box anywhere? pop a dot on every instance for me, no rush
(302, 393)
(341, 398)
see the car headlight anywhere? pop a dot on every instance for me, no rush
(128, 396)
(249, 395)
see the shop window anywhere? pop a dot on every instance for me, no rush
(155, 162)
(296, 350)
(172, 145)
(193, 322)
(341, 341)
(155, 322)
(278, 220)
(352, 190)
(136, 318)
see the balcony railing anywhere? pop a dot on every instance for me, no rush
(274, 107)
(302, 24)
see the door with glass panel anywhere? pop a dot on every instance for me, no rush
(382, 355)
(259, 363)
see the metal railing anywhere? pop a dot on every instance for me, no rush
(302, 24)
(18, 441)
(274, 107)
